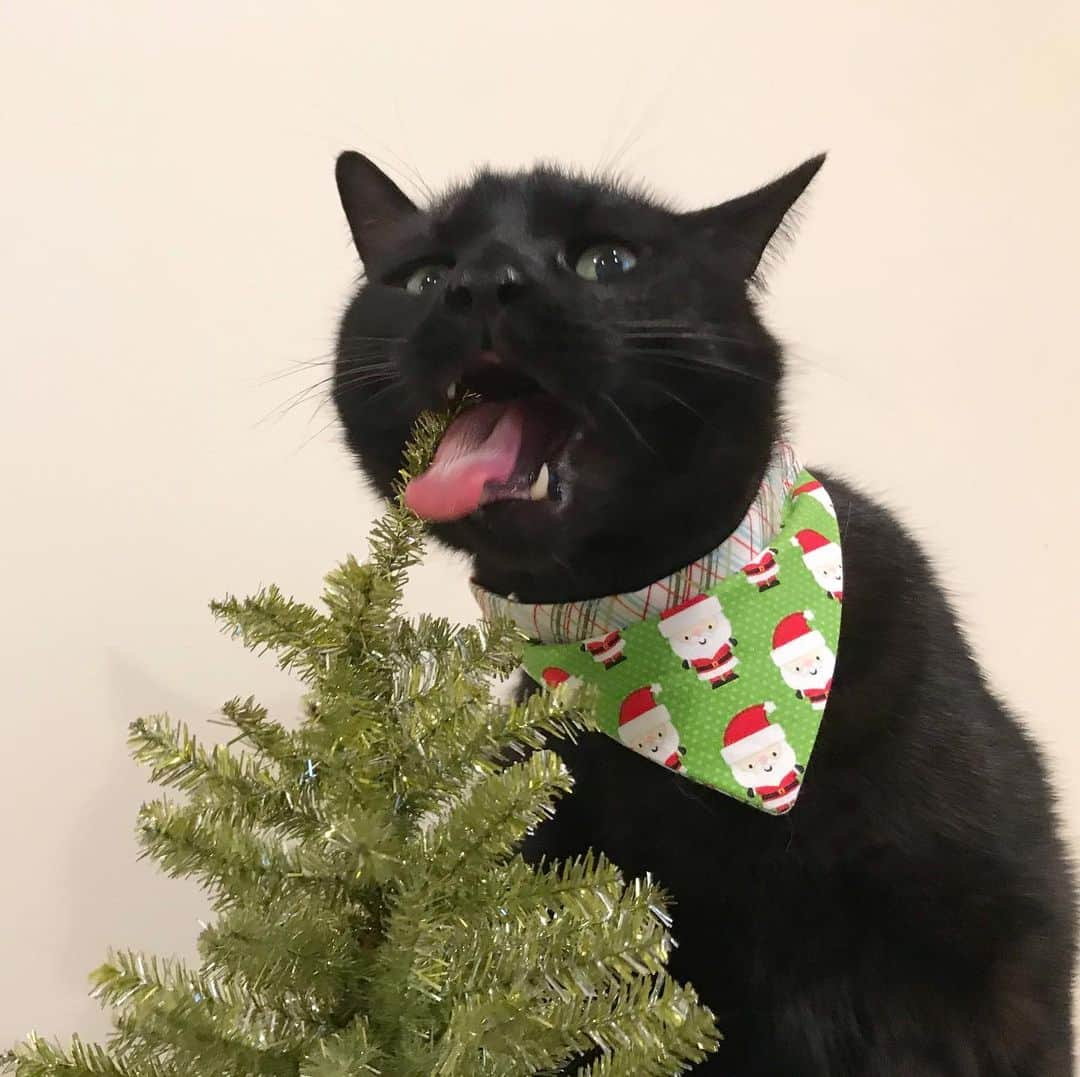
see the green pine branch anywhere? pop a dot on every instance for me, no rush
(283, 946)
(489, 822)
(36, 1057)
(300, 635)
(604, 936)
(349, 1053)
(267, 738)
(217, 775)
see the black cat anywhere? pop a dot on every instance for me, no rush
(914, 913)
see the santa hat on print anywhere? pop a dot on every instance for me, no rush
(748, 732)
(816, 548)
(675, 621)
(640, 713)
(814, 489)
(793, 637)
(553, 677)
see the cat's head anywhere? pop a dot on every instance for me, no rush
(628, 392)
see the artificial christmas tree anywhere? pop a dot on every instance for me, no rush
(371, 914)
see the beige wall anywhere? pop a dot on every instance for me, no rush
(170, 240)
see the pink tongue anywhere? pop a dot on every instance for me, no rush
(480, 446)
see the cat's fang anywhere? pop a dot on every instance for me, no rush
(451, 390)
(539, 489)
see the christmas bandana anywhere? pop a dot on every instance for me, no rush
(722, 671)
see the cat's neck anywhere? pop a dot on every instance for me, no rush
(617, 562)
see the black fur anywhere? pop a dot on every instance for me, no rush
(913, 915)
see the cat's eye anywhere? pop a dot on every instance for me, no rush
(604, 262)
(424, 278)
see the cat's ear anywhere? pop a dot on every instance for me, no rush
(746, 225)
(372, 201)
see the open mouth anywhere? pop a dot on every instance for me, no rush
(506, 447)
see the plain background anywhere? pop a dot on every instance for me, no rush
(170, 242)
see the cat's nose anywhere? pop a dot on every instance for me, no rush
(484, 290)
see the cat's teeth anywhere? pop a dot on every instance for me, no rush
(539, 489)
(451, 390)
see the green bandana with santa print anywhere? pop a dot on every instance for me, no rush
(722, 671)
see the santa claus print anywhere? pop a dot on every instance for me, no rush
(823, 559)
(646, 726)
(555, 677)
(803, 658)
(606, 649)
(814, 489)
(764, 571)
(700, 635)
(761, 759)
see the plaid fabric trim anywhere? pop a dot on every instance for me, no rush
(567, 622)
